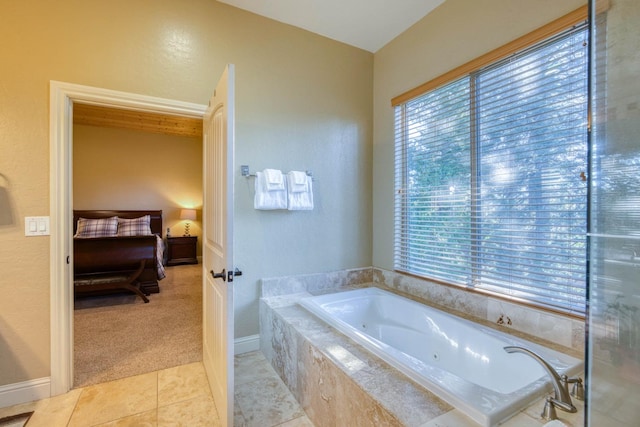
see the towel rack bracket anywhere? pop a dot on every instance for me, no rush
(244, 170)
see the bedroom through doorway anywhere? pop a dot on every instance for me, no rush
(138, 161)
(63, 97)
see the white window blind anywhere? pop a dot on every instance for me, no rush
(490, 189)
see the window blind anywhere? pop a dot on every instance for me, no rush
(490, 189)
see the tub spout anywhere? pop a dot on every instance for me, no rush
(562, 399)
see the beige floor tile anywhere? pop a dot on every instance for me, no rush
(238, 418)
(198, 412)
(172, 397)
(267, 402)
(297, 422)
(145, 419)
(111, 401)
(17, 409)
(52, 412)
(250, 367)
(453, 418)
(18, 421)
(182, 383)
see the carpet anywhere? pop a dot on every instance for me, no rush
(119, 336)
(19, 420)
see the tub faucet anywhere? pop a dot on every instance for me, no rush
(561, 399)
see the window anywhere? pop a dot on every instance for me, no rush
(491, 191)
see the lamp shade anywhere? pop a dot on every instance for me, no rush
(189, 214)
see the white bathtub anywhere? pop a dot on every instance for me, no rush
(462, 362)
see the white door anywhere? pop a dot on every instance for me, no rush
(218, 135)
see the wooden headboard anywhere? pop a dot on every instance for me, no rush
(156, 217)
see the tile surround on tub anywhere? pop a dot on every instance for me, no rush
(317, 282)
(337, 382)
(552, 327)
(555, 328)
(471, 303)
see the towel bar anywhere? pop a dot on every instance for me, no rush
(244, 169)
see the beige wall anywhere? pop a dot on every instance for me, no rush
(453, 34)
(126, 169)
(303, 102)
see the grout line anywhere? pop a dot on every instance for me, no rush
(75, 405)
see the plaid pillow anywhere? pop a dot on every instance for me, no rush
(134, 226)
(96, 227)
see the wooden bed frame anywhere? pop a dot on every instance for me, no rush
(111, 264)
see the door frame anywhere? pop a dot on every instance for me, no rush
(62, 97)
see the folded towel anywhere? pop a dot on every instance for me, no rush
(268, 199)
(299, 178)
(300, 196)
(297, 181)
(274, 179)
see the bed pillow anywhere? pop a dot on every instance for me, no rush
(134, 226)
(96, 227)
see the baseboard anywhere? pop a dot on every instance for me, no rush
(26, 391)
(246, 344)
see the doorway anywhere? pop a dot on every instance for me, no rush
(141, 163)
(62, 98)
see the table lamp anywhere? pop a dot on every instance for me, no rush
(187, 215)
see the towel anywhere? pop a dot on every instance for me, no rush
(266, 198)
(274, 179)
(297, 181)
(300, 191)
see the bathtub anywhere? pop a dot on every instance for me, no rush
(462, 362)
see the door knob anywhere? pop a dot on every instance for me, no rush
(222, 275)
(232, 274)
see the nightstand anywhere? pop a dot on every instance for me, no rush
(182, 250)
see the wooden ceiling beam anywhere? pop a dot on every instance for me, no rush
(93, 115)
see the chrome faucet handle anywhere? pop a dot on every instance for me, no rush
(549, 410)
(577, 390)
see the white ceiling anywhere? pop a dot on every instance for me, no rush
(367, 24)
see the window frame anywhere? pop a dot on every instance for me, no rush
(402, 100)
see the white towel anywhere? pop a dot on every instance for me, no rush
(267, 199)
(297, 182)
(300, 194)
(274, 179)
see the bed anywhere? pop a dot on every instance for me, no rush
(117, 251)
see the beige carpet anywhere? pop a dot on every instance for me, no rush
(120, 336)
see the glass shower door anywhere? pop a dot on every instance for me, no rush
(613, 381)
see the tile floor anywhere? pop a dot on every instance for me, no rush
(180, 396)
(171, 397)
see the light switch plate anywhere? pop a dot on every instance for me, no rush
(36, 226)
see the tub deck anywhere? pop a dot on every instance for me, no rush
(338, 382)
(462, 362)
